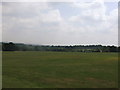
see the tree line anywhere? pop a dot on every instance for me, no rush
(10, 46)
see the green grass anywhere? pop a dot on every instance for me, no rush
(59, 70)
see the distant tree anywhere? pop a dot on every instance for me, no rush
(119, 49)
(113, 49)
(9, 46)
(36, 48)
(76, 48)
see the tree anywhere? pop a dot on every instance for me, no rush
(113, 49)
(9, 46)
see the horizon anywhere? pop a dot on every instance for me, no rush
(58, 44)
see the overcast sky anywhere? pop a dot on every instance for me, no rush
(60, 23)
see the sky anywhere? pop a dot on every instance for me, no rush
(60, 23)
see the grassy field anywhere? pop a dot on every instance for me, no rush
(59, 70)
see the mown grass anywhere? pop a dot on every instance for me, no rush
(59, 70)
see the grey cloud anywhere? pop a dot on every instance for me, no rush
(40, 23)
